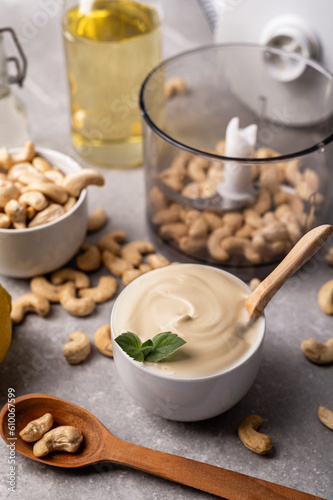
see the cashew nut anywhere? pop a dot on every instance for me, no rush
(212, 219)
(111, 240)
(17, 213)
(80, 279)
(97, 219)
(214, 243)
(77, 306)
(62, 438)
(156, 261)
(90, 259)
(325, 297)
(321, 354)
(26, 154)
(50, 213)
(234, 245)
(75, 182)
(116, 265)
(255, 441)
(254, 283)
(263, 202)
(102, 340)
(192, 244)
(41, 164)
(173, 230)
(55, 176)
(8, 191)
(70, 203)
(174, 86)
(41, 286)
(131, 274)
(29, 302)
(173, 179)
(105, 290)
(329, 257)
(5, 221)
(78, 349)
(157, 199)
(326, 416)
(197, 168)
(34, 198)
(133, 251)
(52, 191)
(199, 227)
(167, 215)
(5, 159)
(35, 429)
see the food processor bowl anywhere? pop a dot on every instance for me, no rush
(288, 170)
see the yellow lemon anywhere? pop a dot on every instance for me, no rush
(5, 322)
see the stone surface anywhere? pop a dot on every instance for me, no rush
(288, 388)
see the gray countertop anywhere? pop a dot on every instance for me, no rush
(287, 390)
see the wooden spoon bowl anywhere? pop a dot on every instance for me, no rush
(64, 413)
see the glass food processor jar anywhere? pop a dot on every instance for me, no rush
(111, 45)
(238, 152)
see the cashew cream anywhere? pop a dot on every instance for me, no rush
(199, 303)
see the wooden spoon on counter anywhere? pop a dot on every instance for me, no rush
(304, 249)
(99, 445)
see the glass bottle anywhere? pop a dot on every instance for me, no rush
(110, 46)
(13, 122)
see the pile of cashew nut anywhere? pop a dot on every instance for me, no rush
(285, 207)
(32, 192)
(71, 286)
(61, 438)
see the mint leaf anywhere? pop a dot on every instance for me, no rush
(152, 350)
(131, 344)
(147, 347)
(164, 344)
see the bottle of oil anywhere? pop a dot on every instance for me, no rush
(110, 45)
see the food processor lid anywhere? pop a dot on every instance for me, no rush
(304, 27)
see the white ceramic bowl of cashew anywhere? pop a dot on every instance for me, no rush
(185, 398)
(39, 250)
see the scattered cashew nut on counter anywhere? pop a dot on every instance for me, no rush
(133, 251)
(325, 297)
(29, 302)
(102, 340)
(326, 416)
(97, 219)
(80, 279)
(321, 354)
(255, 441)
(41, 286)
(35, 429)
(78, 349)
(82, 306)
(105, 290)
(62, 438)
(89, 259)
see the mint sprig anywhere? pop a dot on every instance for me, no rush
(152, 350)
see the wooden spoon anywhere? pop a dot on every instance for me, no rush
(99, 445)
(304, 249)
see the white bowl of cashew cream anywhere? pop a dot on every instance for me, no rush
(217, 365)
(38, 250)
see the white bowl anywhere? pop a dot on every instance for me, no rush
(42, 249)
(186, 398)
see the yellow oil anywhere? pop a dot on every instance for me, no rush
(109, 52)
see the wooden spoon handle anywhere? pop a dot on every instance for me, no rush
(215, 480)
(304, 249)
